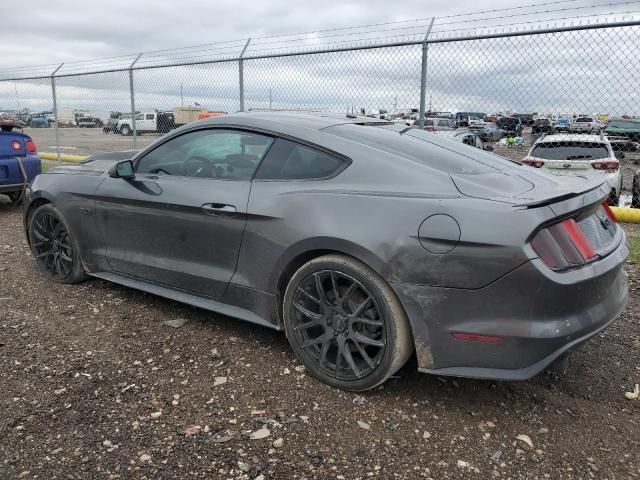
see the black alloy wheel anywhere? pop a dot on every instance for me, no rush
(339, 325)
(53, 246)
(345, 323)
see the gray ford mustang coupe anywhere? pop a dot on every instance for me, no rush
(363, 240)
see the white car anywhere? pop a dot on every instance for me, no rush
(586, 125)
(571, 154)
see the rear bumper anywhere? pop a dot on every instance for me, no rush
(540, 314)
(11, 177)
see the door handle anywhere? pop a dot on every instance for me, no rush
(218, 209)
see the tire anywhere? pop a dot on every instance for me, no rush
(125, 130)
(354, 308)
(15, 197)
(53, 246)
(635, 191)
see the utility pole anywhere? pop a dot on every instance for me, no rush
(55, 110)
(270, 100)
(133, 101)
(181, 98)
(423, 74)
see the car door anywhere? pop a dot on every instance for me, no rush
(179, 222)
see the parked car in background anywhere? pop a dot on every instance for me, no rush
(585, 125)
(487, 131)
(624, 127)
(562, 123)
(39, 122)
(89, 122)
(623, 144)
(19, 161)
(274, 218)
(527, 119)
(510, 126)
(150, 121)
(542, 125)
(576, 154)
(432, 124)
(468, 137)
(462, 118)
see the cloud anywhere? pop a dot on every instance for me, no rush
(590, 72)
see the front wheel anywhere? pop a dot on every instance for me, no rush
(125, 130)
(53, 246)
(345, 323)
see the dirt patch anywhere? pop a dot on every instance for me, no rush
(94, 384)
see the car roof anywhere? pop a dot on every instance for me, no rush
(294, 120)
(573, 137)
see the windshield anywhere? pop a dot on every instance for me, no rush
(567, 150)
(543, 121)
(584, 119)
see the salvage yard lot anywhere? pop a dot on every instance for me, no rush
(85, 370)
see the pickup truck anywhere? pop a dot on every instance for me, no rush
(153, 121)
(585, 125)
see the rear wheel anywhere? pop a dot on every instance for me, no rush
(15, 197)
(345, 323)
(125, 130)
(53, 246)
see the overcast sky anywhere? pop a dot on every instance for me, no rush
(67, 30)
(582, 72)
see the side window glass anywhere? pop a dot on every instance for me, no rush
(293, 161)
(140, 116)
(149, 116)
(214, 153)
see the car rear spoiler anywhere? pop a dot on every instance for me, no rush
(594, 190)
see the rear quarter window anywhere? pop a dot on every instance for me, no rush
(422, 147)
(288, 160)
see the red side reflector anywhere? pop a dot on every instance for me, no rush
(609, 212)
(472, 337)
(16, 145)
(578, 238)
(31, 147)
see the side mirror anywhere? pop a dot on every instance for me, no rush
(122, 169)
(620, 155)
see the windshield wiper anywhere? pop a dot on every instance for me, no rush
(578, 157)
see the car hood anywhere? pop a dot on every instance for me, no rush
(93, 165)
(524, 186)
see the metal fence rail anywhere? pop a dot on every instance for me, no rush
(438, 64)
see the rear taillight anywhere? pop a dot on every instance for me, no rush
(608, 166)
(563, 245)
(16, 145)
(31, 147)
(533, 162)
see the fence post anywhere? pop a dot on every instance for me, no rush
(133, 101)
(423, 75)
(241, 74)
(55, 110)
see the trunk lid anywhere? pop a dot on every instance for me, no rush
(528, 187)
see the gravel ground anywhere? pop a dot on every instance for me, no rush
(95, 385)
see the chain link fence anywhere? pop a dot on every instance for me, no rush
(560, 78)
